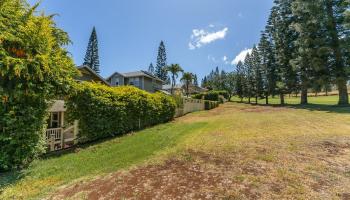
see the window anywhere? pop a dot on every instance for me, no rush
(135, 82)
(54, 120)
(117, 83)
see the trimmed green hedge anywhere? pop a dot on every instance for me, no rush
(103, 111)
(212, 95)
(208, 105)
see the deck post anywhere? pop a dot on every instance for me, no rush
(76, 130)
(62, 130)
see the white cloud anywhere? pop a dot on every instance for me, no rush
(225, 60)
(241, 56)
(213, 59)
(201, 37)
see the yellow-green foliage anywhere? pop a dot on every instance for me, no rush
(103, 111)
(34, 68)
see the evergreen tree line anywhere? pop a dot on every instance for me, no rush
(220, 80)
(162, 68)
(305, 46)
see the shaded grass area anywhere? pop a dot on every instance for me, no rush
(320, 103)
(45, 175)
(292, 100)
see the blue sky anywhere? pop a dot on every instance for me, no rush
(198, 34)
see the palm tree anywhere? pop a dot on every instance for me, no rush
(174, 69)
(187, 79)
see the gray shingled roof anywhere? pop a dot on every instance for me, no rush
(136, 74)
(93, 73)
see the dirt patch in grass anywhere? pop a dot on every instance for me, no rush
(200, 175)
(334, 148)
(197, 175)
(263, 109)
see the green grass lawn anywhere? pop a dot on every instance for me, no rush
(46, 174)
(233, 129)
(321, 100)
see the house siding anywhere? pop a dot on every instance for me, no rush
(148, 84)
(142, 82)
(117, 78)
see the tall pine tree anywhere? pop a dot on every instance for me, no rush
(161, 63)
(240, 80)
(151, 69)
(195, 80)
(91, 57)
(284, 37)
(309, 59)
(258, 87)
(336, 31)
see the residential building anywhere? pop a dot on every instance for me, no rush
(60, 133)
(140, 79)
(181, 89)
(87, 74)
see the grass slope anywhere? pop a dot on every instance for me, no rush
(47, 174)
(293, 149)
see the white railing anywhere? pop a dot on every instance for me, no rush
(68, 134)
(54, 133)
(61, 138)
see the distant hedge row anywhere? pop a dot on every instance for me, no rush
(212, 95)
(104, 111)
(208, 105)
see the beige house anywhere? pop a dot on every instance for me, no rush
(61, 134)
(140, 79)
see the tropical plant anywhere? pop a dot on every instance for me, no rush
(174, 69)
(187, 79)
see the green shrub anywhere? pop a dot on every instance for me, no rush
(35, 68)
(208, 105)
(179, 101)
(103, 111)
(212, 95)
(223, 93)
(198, 96)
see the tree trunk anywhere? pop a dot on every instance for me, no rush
(267, 100)
(340, 72)
(282, 98)
(303, 99)
(343, 93)
(249, 100)
(173, 85)
(256, 100)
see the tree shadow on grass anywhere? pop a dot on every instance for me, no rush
(324, 108)
(310, 107)
(8, 178)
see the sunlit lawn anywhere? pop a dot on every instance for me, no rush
(232, 129)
